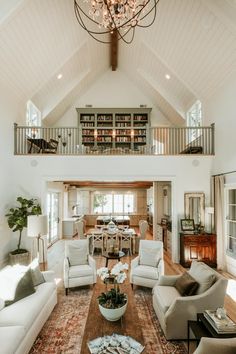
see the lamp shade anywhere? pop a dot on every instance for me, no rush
(37, 225)
(210, 210)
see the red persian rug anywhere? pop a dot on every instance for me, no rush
(63, 332)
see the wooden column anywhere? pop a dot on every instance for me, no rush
(114, 50)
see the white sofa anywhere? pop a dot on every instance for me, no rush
(21, 322)
(174, 310)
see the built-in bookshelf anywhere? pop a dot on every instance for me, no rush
(103, 129)
(230, 227)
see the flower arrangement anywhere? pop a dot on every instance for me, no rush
(113, 298)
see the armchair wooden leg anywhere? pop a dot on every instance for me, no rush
(66, 289)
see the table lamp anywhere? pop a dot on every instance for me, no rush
(37, 226)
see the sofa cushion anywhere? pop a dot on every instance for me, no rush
(23, 288)
(80, 271)
(36, 274)
(186, 285)
(76, 254)
(145, 271)
(203, 274)
(165, 296)
(10, 338)
(149, 256)
(16, 282)
(25, 311)
(2, 304)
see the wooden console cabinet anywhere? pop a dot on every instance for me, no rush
(199, 247)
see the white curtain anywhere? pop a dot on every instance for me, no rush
(219, 221)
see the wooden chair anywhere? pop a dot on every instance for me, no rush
(125, 241)
(97, 242)
(51, 147)
(110, 240)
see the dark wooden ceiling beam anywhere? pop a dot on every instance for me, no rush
(114, 50)
(111, 185)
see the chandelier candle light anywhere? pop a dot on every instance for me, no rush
(102, 17)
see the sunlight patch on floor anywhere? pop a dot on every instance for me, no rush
(58, 281)
(231, 289)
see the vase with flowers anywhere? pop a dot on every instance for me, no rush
(113, 303)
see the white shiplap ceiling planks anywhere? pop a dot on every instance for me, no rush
(194, 41)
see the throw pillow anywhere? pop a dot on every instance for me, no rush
(77, 255)
(186, 285)
(203, 274)
(24, 288)
(36, 274)
(150, 257)
(2, 304)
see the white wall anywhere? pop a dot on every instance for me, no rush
(113, 89)
(221, 110)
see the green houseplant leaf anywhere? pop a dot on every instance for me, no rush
(17, 217)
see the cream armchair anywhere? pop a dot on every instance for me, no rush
(216, 346)
(79, 266)
(148, 266)
(174, 310)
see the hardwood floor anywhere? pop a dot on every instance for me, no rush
(56, 257)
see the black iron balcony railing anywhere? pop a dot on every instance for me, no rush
(68, 141)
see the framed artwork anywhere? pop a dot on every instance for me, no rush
(187, 225)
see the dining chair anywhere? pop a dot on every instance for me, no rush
(111, 240)
(143, 227)
(125, 241)
(79, 228)
(97, 242)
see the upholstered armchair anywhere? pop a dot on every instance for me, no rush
(174, 310)
(216, 346)
(79, 266)
(143, 227)
(148, 266)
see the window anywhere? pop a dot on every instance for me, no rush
(194, 119)
(33, 119)
(115, 203)
(230, 222)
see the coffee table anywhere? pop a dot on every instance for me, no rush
(110, 256)
(98, 326)
(202, 328)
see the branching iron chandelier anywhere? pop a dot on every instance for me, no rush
(102, 17)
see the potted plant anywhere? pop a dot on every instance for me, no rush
(17, 221)
(113, 303)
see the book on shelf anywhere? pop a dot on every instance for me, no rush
(224, 325)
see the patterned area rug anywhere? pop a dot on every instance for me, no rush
(63, 332)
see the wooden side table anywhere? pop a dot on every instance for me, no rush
(202, 328)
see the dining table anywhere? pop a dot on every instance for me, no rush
(119, 231)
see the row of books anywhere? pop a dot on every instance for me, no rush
(223, 325)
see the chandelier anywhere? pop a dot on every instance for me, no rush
(102, 17)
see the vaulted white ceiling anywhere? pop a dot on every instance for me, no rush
(194, 41)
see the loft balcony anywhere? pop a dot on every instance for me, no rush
(157, 141)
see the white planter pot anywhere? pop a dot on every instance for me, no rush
(113, 314)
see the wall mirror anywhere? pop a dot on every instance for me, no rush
(194, 206)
